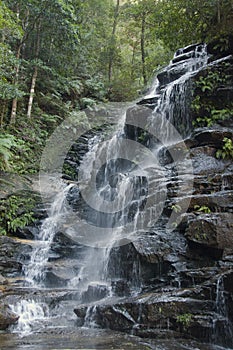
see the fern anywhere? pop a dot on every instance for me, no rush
(7, 142)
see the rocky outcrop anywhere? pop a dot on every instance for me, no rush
(176, 314)
(183, 280)
(7, 317)
(213, 231)
(3, 280)
(13, 253)
(165, 283)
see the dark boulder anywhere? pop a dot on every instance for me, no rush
(7, 317)
(156, 315)
(212, 231)
(211, 137)
(95, 292)
(13, 253)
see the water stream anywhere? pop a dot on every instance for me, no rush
(33, 271)
(114, 189)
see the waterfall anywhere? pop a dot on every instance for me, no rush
(222, 327)
(118, 202)
(122, 189)
(173, 101)
(34, 270)
(32, 314)
(113, 175)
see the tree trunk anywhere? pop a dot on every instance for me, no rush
(112, 43)
(133, 60)
(144, 75)
(219, 11)
(34, 76)
(3, 111)
(16, 80)
(32, 90)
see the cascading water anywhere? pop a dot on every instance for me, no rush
(173, 103)
(33, 313)
(117, 204)
(123, 183)
(120, 182)
(32, 316)
(222, 316)
(34, 270)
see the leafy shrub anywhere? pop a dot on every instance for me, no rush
(208, 108)
(16, 212)
(227, 150)
(202, 209)
(184, 319)
(7, 142)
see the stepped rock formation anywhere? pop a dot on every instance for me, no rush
(174, 284)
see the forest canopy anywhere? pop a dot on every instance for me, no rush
(58, 56)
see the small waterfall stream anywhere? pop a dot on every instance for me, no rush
(34, 270)
(114, 192)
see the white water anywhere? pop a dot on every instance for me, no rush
(32, 314)
(221, 310)
(174, 95)
(95, 262)
(34, 271)
(95, 265)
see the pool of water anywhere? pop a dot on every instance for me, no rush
(86, 339)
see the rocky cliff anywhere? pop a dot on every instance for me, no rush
(184, 277)
(174, 284)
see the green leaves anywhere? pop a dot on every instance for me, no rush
(16, 212)
(9, 24)
(184, 320)
(207, 106)
(227, 150)
(7, 142)
(202, 209)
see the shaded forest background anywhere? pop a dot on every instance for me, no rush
(61, 56)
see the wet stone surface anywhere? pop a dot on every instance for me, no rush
(168, 287)
(87, 339)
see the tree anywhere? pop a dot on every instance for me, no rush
(112, 46)
(182, 22)
(49, 31)
(10, 30)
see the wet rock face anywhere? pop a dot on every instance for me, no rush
(144, 262)
(213, 231)
(7, 317)
(184, 280)
(211, 137)
(12, 255)
(3, 280)
(161, 315)
(94, 292)
(136, 121)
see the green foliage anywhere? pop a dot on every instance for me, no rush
(16, 212)
(202, 209)
(176, 207)
(182, 22)
(9, 23)
(30, 139)
(7, 142)
(227, 150)
(208, 109)
(184, 320)
(210, 81)
(214, 116)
